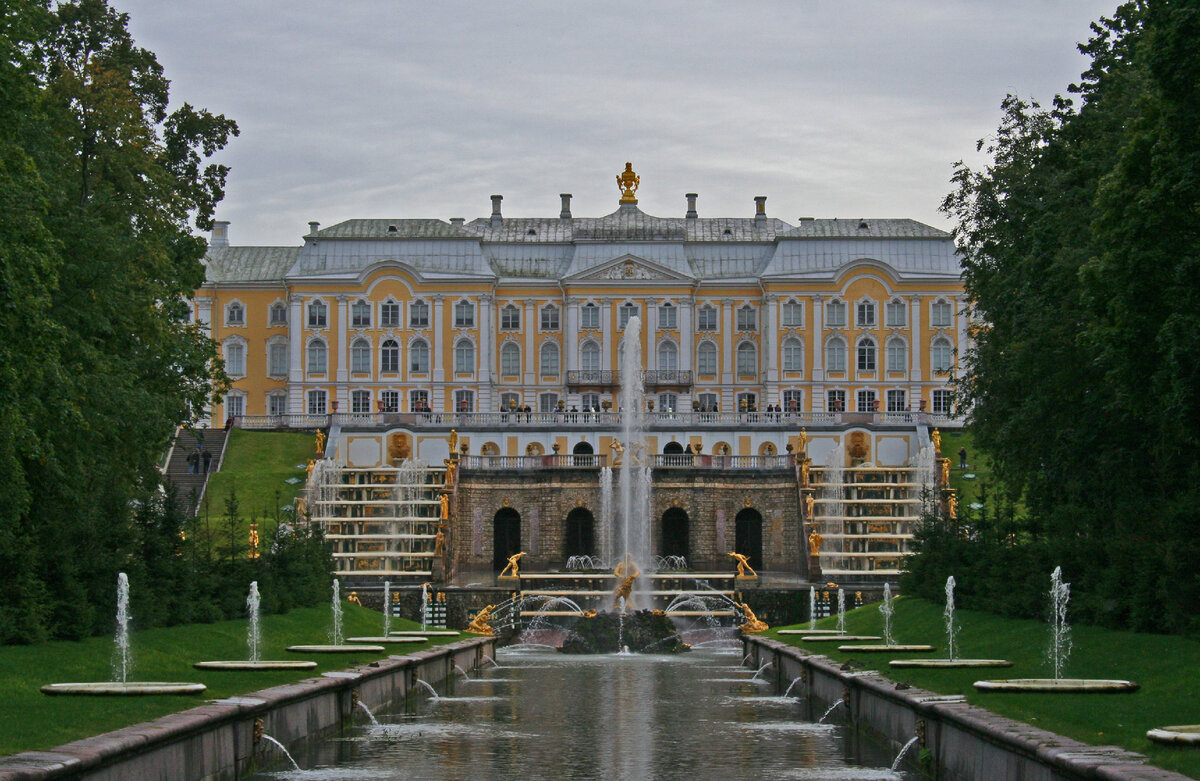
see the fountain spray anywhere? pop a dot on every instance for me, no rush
(886, 608)
(254, 628)
(812, 607)
(336, 632)
(633, 525)
(122, 657)
(387, 608)
(841, 612)
(1060, 630)
(951, 626)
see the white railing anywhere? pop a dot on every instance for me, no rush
(575, 461)
(705, 461)
(657, 461)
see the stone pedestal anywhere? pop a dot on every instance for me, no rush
(814, 568)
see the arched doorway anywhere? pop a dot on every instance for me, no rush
(675, 532)
(506, 536)
(748, 536)
(672, 448)
(584, 454)
(579, 539)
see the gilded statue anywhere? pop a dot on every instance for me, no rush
(453, 442)
(309, 469)
(444, 500)
(320, 441)
(803, 440)
(253, 540)
(512, 568)
(743, 564)
(945, 471)
(805, 466)
(814, 543)
(752, 623)
(626, 572)
(952, 506)
(936, 436)
(628, 181)
(479, 624)
(451, 472)
(810, 504)
(353, 599)
(589, 614)
(439, 543)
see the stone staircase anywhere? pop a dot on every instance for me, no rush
(189, 486)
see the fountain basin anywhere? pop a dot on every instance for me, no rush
(813, 632)
(900, 649)
(950, 663)
(127, 689)
(378, 640)
(334, 649)
(1057, 685)
(262, 665)
(430, 633)
(837, 638)
(1183, 734)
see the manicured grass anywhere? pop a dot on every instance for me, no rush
(31, 720)
(978, 464)
(1165, 666)
(259, 463)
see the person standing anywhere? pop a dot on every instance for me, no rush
(207, 456)
(962, 458)
(193, 461)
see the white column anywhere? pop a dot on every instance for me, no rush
(728, 358)
(651, 358)
(531, 325)
(816, 401)
(571, 337)
(687, 347)
(487, 353)
(295, 354)
(915, 339)
(439, 353)
(770, 342)
(341, 344)
(607, 324)
(204, 307)
(960, 347)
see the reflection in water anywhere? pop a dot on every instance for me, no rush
(606, 717)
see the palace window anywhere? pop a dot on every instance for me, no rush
(277, 359)
(793, 314)
(360, 357)
(866, 314)
(510, 360)
(389, 401)
(793, 401)
(589, 317)
(668, 402)
(464, 315)
(278, 314)
(316, 402)
(509, 401)
(360, 402)
(706, 359)
(418, 357)
(317, 356)
(793, 355)
(747, 319)
(418, 314)
(464, 357)
(389, 357)
(360, 314)
(235, 359)
(550, 318)
(896, 314)
(589, 401)
(549, 362)
(836, 401)
(624, 313)
(589, 357)
(866, 355)
(235, 314)
(547, 402)
(708, 402)
(417, 400)
(942, 355)
(389, 314)
(835, 355)
(865, 400)
(897, 401)
(668, 316)
(317, 314)
(941, 402)
(897, 355)
(276, 404)
(940, 314)
(510, 318)
(668, 357)
(747, 360)
(235, 405)
(464, 401)
(835, 314)
(706, 318)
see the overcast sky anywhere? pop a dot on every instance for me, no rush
(364, 108)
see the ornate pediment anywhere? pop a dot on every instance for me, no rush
(630, 268)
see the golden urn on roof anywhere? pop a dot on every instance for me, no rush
(628, 181)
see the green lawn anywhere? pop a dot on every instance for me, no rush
(259, 463)
(31, 720)
(1165, 666)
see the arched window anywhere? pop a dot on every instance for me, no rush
(317, 355)
(510, 360)
(667, 316)
(866, 355)
(897, 355)
(464, 357)
(549, 363)
(464, 315)
(706, 359)
(360, 314)
(235, 314)
(793, 355)
(747, 359)
(278, 314)
(835, 314)
(389, 357)
(942, 355)
(668, 357)
(360, 357)
(418, 357)
(317, 314)
(835, 355)
(235, 359)
(589, 319)
(589, 357)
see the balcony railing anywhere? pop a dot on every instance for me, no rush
(657, 378)
(657, 461)
(575, 461)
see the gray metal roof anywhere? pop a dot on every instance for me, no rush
(864, 228)
(248, 264)
(392, 229)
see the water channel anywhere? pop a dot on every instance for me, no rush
(542, 715)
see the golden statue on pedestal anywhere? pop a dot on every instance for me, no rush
(946, 471)
(512, 568)
(626, 573)
(814, 543)
(451, 472)
(453, 442)
(444, 500)
(479, 624)
(752, 624)
(810, 504)
(803, 440)
(936, 438)
(952, 506)
(743, 564)
(320, 442)
(628, 181)
(253, 540)
(439, 542)
(805, 466)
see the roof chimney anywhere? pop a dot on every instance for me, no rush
(760, 209)
(691, 212)
(220, 234)
(457, 221)
(496, 218)
(313, 227)
(565, 214)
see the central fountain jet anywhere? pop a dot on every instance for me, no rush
(630, 539)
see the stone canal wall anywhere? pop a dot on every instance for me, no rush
(958, 742)
(218, 741)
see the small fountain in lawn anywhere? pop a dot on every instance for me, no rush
(122, 663)
(812, 619)
(887, 610)
(1057, 654)
(337, 646)
(254, 644)
(952, 628)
